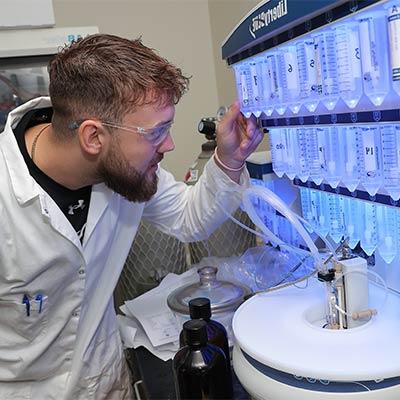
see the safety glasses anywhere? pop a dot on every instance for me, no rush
(154, 135)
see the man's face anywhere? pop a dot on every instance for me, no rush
(130, 164)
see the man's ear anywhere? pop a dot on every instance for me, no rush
(91, 137)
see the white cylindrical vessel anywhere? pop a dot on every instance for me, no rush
(282, 352)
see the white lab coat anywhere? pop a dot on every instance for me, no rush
(72, 348)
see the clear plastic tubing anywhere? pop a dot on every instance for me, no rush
(292, 82)
(390, 140)
(336, 217)
(349, 142)
(352, 220)
(369, 237)
(308, 74)
(370, 160)
(256, 86)
(316, 153)
(327, 68)
(374, 56)
(282, 208)
(243, 85)
(387, 239)
(393, 18)
(278, 150)
(348, 58)
(333, 156)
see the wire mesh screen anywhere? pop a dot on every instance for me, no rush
(228, 240)
(152, 256)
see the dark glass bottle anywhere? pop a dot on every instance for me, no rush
(200, 368)
(200, 308)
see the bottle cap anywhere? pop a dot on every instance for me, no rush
(200, 308)
(195, 332)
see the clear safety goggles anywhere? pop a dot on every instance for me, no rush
(154, 135)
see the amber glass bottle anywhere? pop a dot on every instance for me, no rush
(200, 368)
(200, 308)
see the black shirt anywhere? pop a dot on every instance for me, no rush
(73, 203)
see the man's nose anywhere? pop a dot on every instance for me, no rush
(166, 145)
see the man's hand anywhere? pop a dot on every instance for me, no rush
(237, 138)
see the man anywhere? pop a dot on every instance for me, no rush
(77, 175)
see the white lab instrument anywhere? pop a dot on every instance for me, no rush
(334, 337)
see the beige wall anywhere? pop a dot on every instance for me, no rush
(187, 32)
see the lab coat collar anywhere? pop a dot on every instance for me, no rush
(100, 199)
(24, 186)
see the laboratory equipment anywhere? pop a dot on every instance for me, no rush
(390, 142)
(327, 71)
(290, 74)
(387, 232)
(200, 368)
(349, 141)
(267, 85)
(374, 60)
(316, 153)
(225, 297)
(370, 159)
(333, 156)
(244, 85)
(308, 74)
(200, 308)
(393, 17)
(352, 217)
(256, 86)
(336, 217)
(277, 79)
(335, 336)
(348, 59)
(278, 145)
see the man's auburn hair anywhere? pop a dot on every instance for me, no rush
(105, 76)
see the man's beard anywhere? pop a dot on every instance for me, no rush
(119, 176)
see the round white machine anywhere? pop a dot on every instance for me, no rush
(282, 351)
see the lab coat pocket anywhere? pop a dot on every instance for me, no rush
(20, 323)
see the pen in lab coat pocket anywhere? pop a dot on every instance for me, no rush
(39, 298)
(27, 303)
